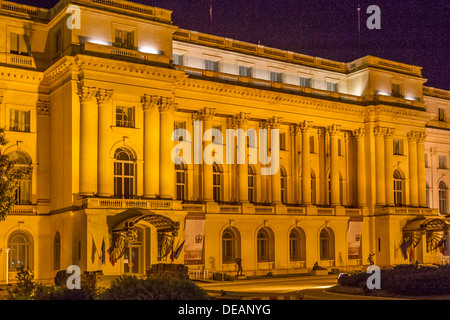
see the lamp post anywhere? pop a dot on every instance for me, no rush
(7, 264)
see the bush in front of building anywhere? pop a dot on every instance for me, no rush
(133, 288)
(63, 293)
(407, 280)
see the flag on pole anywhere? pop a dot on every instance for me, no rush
(178, 251)
(103, 251)
(404, 246)
(94, 251)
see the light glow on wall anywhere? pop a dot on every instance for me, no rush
(99, 41)
(148, 49)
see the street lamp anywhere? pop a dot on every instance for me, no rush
(7, 264)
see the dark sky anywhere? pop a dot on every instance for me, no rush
(414, 32)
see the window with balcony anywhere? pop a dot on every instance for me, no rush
(217, 183)
(212, 65)
(397, 90)
(22, 162)
(19, 120)
(251, 184)
(18, 44)
(181, 174)
(125, 117)
(276, 76)
(443, 197)
(306, 82)
(124, 174)
(283, 185)
(332, 86)
(245, 71)
(398, 188)
(124, 39)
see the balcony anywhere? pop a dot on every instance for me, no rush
(99, 203)
(23, 209)
(406, 211)
(268, 84)
(115, 52)
(18, 60)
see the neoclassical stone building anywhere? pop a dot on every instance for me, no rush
(92, 91)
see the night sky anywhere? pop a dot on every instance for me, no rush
(414, 32)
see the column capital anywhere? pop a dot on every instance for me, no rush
(264, 124)
(389, 133)
(434, 151)
(167, 104)
(421, 136)
(86, 94)
(294, 129)
(275, 122)
(205, 114)
(150, 102)
(359, 133)
(334, 129)
(104, 96)
(305, 126)
(379, 132)
(412, 136)
(43, 107)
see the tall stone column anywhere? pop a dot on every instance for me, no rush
(241, 121)
(152, 119)
(380, 166)
(305, 128)
(389, 172)
(88, 140)
(275, 123)
(206, 116)
(167, 167)
(104, 168)
(361, 166)
(334, 172)
(413, 172)
(421, 169)
(294, 131)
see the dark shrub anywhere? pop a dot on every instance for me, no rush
(132, 288)
(62, 293)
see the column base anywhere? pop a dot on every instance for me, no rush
(104, 195)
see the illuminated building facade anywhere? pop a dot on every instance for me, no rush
(364, 149)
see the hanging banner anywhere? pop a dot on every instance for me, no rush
(194, 238)
(354, 239)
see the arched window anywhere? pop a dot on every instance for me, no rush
(181, 174)
(251, 185)
(230, 245)
(297, 246)
(23, 192)
(398, 188)
(443, 192)
(326, 242)
(124, 174)
(57, 252)
(217, 183)
(264, 245)
(20, 251)
(283, 177)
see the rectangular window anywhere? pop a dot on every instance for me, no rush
(124, 39)
(442, 162)
(125, 117)
(283, 141)
(396, 90)
(305, 82)
(58, 43)
(398, 147)
(218, 139)
(245, 71)
(212, 65)
(276, 76)
(180, 135)
(178, 59)
(18, 44)
(332, 86)
(441, 114)
(311, 144)
(19, 120)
